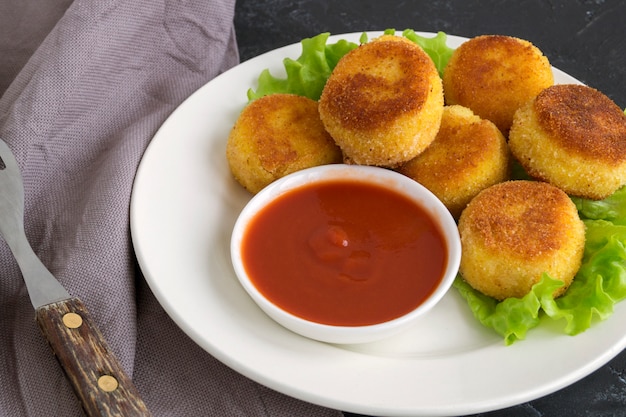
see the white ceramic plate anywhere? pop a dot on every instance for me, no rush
(184, 205)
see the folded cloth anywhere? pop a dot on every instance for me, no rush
(78, 116)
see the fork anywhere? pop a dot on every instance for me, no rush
(91, 367)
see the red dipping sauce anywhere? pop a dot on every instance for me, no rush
(344, 253)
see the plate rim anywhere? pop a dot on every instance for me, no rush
(280, 385)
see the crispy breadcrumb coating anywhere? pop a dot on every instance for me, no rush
(383, 102)
(513, 232)
(574, 137)
(276, 135)
(494, 75)
(468, 155)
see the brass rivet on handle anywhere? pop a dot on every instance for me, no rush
(72, 320)
(107, 383)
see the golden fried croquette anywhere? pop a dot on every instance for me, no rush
(276, 135)
(513, 232)
(468, 155)
(494, 75)
(383, 102)
(574, 137)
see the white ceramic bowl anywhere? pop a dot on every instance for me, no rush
(367, 174)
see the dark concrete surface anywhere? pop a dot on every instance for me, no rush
(585, 38)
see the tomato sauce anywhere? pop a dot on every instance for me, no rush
(344, 253)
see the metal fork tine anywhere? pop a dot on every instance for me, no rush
(7, 156)
(12, 190)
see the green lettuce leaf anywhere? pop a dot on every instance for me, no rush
(600, 282)
(436, 47)
(511, 318)
(598, 285)
(307, 75)
(612, 208)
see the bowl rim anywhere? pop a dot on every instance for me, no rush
(365, 174)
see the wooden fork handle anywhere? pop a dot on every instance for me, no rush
(98, 380)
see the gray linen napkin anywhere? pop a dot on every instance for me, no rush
(78, 116)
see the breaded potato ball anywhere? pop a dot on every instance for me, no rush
(494, 75)
(383, 102)
(573, 137)
(276, 135)
(468, 155)
(513, 232)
